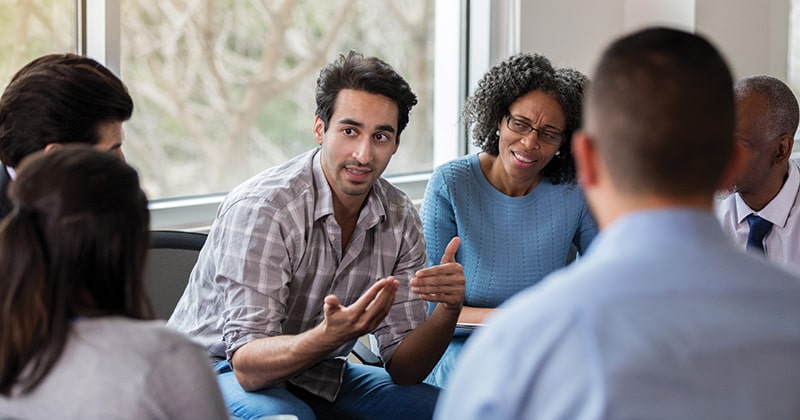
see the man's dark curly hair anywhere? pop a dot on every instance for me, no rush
(512, 78)
(367, 74)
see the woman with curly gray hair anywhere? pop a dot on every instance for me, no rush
(515, 205)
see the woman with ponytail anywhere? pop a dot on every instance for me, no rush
(75, 340)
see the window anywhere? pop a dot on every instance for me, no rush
(225, 89)
(30, 28)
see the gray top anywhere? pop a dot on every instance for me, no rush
(275, 251)
(118, 368)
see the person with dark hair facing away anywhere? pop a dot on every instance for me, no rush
(308, 256)
(75, 341)
(515, 204)
(766, 190)
(662, 317)
(58, 99)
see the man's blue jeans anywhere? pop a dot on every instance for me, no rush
(367, 392)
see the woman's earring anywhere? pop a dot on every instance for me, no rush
(497, 133)
(558, 152)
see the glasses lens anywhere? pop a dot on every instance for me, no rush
(518, 126)
(550, 137)
(546, 136)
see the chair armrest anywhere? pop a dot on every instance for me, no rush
(366, 355)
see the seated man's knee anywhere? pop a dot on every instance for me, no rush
(266, 402)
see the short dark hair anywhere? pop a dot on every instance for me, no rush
(782, 108)
(661, 110)
(512, 78)
(74, 245)
(367, 74)
(58, 98)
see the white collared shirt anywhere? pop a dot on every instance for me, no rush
(782, 244)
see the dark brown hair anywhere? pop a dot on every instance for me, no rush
(58, 98)
(74, 245)
(367, 74)
(661, 110)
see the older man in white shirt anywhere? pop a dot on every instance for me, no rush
(763, 212)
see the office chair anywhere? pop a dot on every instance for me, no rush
(170, 260)
(364, 353)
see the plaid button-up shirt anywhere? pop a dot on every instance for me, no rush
(274, 252)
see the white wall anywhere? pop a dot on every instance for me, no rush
(752, 35)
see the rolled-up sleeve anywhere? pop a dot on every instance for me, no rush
(253, 271)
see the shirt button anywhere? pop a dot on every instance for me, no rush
(333, 237)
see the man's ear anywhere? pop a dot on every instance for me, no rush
(51, 146)
(733, 167)
(585, 154)
(319, 129)
(784, 149)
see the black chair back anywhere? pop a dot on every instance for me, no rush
(171, 258)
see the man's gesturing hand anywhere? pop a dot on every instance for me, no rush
(345, 323)
(443, 283)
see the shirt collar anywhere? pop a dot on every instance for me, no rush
(324, 202)
(777, 210)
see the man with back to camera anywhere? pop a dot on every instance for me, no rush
(306, 257)
(763, 212)
(662, 317)
(57, 99)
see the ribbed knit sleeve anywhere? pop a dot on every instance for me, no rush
(437, 214)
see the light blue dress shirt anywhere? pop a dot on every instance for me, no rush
(662, 319)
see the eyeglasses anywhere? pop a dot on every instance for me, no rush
(551, 137)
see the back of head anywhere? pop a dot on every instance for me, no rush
(58, 98)
(661, 111)
(782, 108)
(367, 74)
(74, 245)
